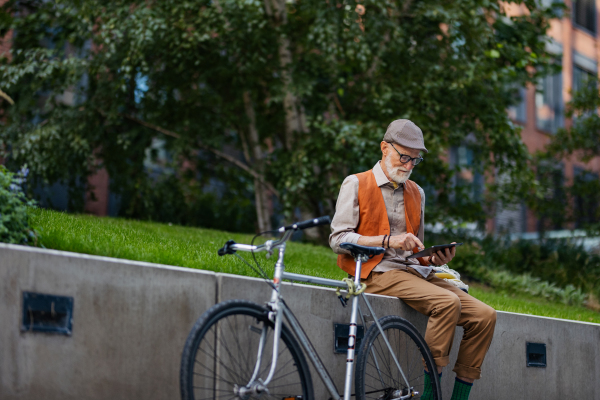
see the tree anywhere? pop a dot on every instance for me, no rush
(295, 95)
(581, 197)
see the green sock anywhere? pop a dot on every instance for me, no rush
(427, 392)
(461, 390)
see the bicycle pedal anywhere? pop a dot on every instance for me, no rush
(343, 301)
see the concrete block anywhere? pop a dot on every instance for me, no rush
(130, 322)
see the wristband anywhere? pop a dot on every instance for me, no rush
(383, 241)
(389, 241)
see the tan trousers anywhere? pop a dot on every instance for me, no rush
(446, 306)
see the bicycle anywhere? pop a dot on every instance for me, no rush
(228, 350)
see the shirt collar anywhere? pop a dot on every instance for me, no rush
(380, 177)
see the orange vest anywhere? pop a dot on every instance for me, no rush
(373, 218)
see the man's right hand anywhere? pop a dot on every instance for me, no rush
(406, 242)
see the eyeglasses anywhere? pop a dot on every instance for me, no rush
(404, 158)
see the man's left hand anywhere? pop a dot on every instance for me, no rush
(443, 257)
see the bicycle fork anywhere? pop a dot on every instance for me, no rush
(256, 386)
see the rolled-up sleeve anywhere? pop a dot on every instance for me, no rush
(346, 218)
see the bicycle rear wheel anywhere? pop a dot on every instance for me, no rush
(221, 352)
(377, 375)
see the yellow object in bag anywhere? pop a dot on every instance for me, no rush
(450, 276)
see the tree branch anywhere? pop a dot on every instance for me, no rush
(6, 97)
(216, 152)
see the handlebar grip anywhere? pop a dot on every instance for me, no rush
(324, 220)
(226, 249)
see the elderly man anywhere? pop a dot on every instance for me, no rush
(381, 207)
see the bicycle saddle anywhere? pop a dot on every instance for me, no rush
(357, 249)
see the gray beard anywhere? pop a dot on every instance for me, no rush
(396, 174)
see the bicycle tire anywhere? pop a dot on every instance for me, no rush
(377, 375)
(222, 348)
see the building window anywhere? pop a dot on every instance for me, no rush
(586, 187)
(518, 112)
(549, 104)
(584, 14)
(582, 77)
(468, 181)
(552, 212)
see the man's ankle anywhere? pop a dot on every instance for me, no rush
(462, 389)
(427, 387)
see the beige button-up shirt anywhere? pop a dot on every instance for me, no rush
(346, 218)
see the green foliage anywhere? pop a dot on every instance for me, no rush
(15, 224)
(184, 66)
(172, 199)
(577, 201)
(583, 136)
(553, 269)
(525, 283)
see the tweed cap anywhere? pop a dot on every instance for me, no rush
(405, 133)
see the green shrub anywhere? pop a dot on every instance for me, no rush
(525, 283)
(14, 216)
(171, 199)
(561, 262)
(552, 269)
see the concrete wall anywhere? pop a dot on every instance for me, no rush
(131, 320)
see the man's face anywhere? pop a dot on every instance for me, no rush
(399, 172)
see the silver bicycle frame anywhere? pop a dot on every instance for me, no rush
(279, 309)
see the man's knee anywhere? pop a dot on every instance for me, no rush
(487, 316)
(448, 305)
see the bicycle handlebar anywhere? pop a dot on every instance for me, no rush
(309, 223)
(231, 247)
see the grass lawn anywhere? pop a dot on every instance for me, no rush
(197, 248)
(527, 304)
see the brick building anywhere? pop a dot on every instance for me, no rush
(575, 42)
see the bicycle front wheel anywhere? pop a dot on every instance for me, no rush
(220, 356)
(378, 376)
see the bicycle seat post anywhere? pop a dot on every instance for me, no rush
(279, 268)
(359, 258)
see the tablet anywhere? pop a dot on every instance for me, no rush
(433, 249)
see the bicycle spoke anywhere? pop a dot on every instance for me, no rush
(231, 358)
(226, 353)
(221, 379)
(378, 375)
(217, 359)
(237, 342)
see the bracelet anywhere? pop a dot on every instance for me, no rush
(389, 241)
(383, 241)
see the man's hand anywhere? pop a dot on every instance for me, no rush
(406, 242)
(443, 257)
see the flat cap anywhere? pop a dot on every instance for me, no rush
(405, 133)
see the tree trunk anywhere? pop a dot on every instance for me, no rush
(262, 195)
(295, 118)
